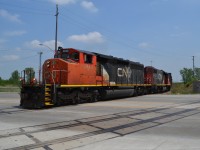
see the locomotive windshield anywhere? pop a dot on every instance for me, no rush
(67, 54)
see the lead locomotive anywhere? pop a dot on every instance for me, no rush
(73, 76)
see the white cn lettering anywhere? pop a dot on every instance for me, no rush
(121, 72)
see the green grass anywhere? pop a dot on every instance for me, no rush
(180, 88)
(9, 88)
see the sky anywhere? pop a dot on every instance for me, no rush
(161, 33)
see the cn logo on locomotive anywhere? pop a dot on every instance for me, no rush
(121, 72)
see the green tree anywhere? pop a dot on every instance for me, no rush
(188, 76)
(197, 73)
(1, 81)
(14, 79)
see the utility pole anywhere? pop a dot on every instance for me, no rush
(56, 27)
(193, 64)
(40, 62)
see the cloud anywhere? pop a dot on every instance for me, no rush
(85, 4)
(10, 57)
(33, 44)
(91, 38)
(15, 33)
(36, 44)
(63, 2)
(144, 45)
(89, 6)
(51, 44)
(11, 17)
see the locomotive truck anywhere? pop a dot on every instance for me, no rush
(73, 76)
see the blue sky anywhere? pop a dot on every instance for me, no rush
(164, 33)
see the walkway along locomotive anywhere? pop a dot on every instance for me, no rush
(75, 75)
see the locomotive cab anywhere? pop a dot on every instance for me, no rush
(67, 54)
(70, 75)
(78, 56)
(70, 67)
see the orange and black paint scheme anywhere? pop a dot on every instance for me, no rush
(74, 76)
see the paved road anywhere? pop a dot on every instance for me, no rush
(152, 122)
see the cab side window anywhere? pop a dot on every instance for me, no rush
(75, 56)
(88, 59)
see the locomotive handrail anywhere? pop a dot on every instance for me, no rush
(53, 79)
(59, 78)
(60, 74)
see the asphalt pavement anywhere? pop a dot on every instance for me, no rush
(150, 122)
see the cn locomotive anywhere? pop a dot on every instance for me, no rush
(74, 76)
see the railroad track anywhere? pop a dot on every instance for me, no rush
(76, 133)
(14, 110)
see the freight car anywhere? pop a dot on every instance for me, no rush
(73, 76)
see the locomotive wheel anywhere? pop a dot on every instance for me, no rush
(58, 102)
(135, 93)
(74, 101)
(93, 99)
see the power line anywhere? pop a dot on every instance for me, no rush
(20, 59)
(86, 25)
(112, 36)
(108, 36)
(29, 10)
(83, 23)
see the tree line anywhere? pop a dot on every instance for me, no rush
(188, 76)
(15, 78)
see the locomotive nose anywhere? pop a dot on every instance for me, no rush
(55, 71)
(47, 64)
(50, 67)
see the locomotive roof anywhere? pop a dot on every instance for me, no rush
(87, 52)
(109, 57)
(83, 51)
(151, 67)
